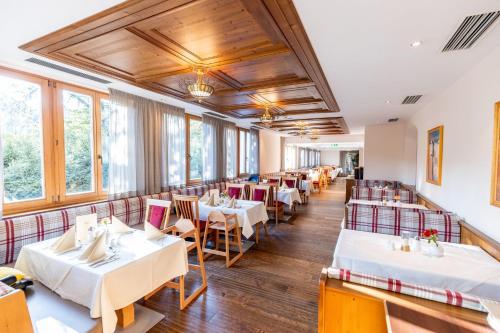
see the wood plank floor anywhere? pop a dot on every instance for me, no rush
(274, 287)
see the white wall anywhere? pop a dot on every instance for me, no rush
(466, 111)
(330, 157)
(270, 152)
(390, 152)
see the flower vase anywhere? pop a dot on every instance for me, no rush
(434, 251)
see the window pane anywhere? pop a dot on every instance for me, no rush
(105, 113)
(78, 142)
(247, 153)
(195, 148)
(242, 152)
(21, 121)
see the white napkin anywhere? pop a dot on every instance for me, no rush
(493, 317)
(66, 241)
(118, 226)
(96, 250)
(83, 223)
(211, 201)
(216, 193)
(204, 198)
(231, 203)
(284, 186)
(152, 232)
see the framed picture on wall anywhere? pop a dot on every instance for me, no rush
(495, 174)
(435, 155)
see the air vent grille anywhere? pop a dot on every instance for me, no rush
(66, 70)
(411, 99)
(393, 120)
(470, 30)
(215, 115)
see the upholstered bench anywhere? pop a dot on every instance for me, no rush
(394, 220)
(374, 193)
(390, 184)
(15, 232)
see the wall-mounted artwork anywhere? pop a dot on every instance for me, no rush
(435, 155)
(495, 176)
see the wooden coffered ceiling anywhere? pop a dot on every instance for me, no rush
(319, 126)
(256, 51)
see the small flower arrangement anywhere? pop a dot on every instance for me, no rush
(431, 235)
(105, 221)
(224, 195)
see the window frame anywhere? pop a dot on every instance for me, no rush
(238, 151)
(189, 181)
(53, 146)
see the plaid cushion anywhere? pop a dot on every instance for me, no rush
(434, 294)
(394, 220)
(392, 184)
(373, 193)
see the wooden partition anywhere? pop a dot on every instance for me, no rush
(14, 315)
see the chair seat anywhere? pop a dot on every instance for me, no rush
(221, 226)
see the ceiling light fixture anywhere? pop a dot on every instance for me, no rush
(416, 43)
(200, 89)
(266, 117)
(314, 135)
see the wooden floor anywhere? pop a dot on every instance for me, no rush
(274, 287)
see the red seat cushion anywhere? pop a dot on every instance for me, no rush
(156, 215)
(289, 183)
(258, 194)
(234, 192)
(272, 181)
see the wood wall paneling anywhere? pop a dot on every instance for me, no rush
(256, 52)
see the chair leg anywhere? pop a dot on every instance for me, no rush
(226, 240)
(265, 228)
(184, 302)
(257, 233)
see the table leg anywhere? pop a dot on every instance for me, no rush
(126, 315)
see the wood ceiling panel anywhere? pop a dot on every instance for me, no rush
(256, 51)
(319, 126)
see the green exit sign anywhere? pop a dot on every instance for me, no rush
(334, 145)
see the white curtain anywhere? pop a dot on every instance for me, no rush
(254, 152)
(175, 143)
(230, 148)
(139, 138)
(1, 175)
(211, 147)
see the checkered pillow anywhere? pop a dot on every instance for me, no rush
(434, 294)
(394, 220)
(373, 193)
(391, 184)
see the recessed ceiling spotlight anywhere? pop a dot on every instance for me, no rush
(416, 43)
(387, 102)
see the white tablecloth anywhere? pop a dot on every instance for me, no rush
(306, 185)
(143, 266)
(388, 204)
(463, 268)
(248, 214)
(289, 196)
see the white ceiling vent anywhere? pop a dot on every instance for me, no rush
(470, 30)
(66, 70)
(411, 99)
(215, 115)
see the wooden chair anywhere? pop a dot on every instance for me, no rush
(187, 206)
(302, 192)
(260, 193)
(161, 203)
(291, 182)
(185, 229)
(238, 188)
(228, 224)
(14, 314)
(274, 180)
(273, 205)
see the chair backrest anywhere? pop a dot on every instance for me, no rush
(186, 206)
(236, 190)
(259, 193)
(274, 180)
(272, 194)
(291, 182)
(158, 212)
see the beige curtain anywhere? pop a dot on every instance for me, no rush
(138, 152)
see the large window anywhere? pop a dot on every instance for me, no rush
(290, 158)
(195, 148)
(231, 151)
(244, 151)
(51, 140)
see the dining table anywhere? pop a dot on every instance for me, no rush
(288, 196)
(248, 213)
(306, 185)
(139, 267)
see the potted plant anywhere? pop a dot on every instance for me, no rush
(433, 249)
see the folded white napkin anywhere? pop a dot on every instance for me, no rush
(493, 317)
(204, 198)
(118, 226)
(231, 203)
(211, 201)
(152, 232)
(83, 223)
(66, 241)
(96, 250)
(216, 193)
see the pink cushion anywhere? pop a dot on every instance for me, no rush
(273, 180)
(234, 192)
(258, 194)
(289, 183)
(156, 216)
